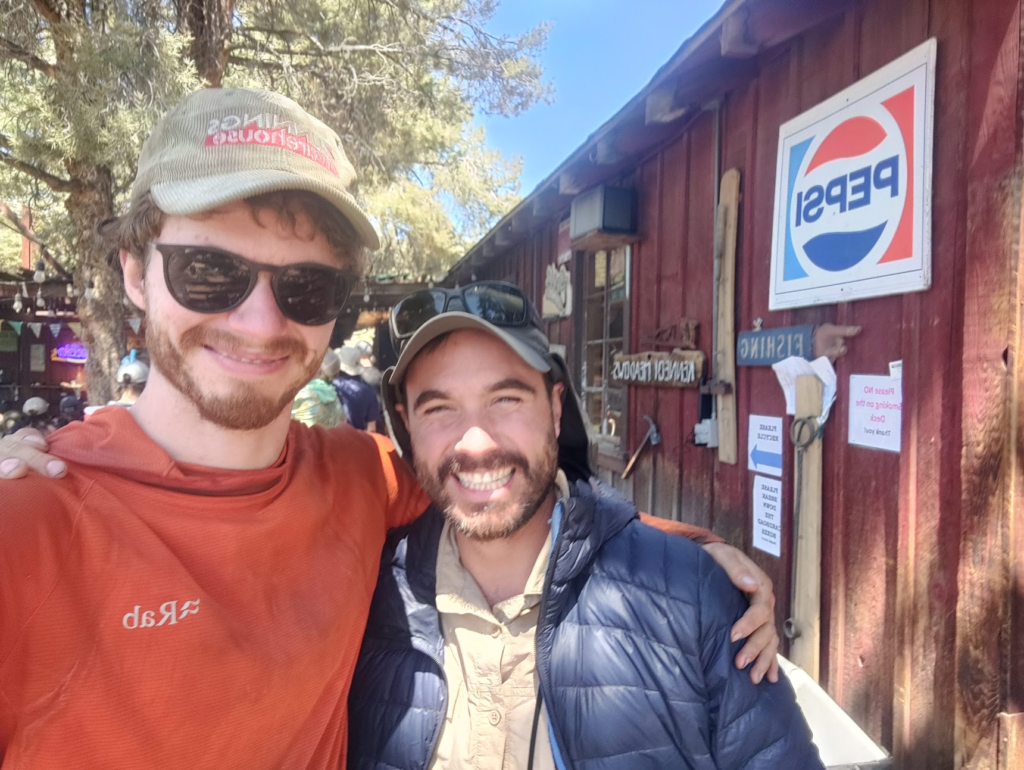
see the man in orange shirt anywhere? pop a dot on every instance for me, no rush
(193, 592)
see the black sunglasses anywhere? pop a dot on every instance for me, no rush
(497, 302)
(208, 280)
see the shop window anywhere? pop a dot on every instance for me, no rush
(606, 308)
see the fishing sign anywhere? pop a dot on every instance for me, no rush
(853, 190)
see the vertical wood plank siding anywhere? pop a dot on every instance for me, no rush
(917, 548)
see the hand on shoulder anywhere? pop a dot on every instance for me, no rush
(25, 451)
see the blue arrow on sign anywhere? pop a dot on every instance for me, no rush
(765, 458)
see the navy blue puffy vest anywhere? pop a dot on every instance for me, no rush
(635, 662)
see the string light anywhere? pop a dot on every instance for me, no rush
(40, 302)
(40, 274)
(70, 290)
(90, 290)
(17, 302)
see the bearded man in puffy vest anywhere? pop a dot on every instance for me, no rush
(531, 621)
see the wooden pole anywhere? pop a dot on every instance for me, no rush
(806, 591)
(725, 324)
(1011, 741)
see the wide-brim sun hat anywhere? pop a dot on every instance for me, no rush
(349, 358)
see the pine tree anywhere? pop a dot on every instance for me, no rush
(83, 81)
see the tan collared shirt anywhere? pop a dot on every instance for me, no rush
(489, 662)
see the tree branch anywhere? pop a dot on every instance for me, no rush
(30, 235)
(318, 49)
(12, 50)
(49, 11)
(55, 183)
(266, 64)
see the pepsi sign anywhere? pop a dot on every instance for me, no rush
(853, 190)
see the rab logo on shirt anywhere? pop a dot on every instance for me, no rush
(170, 614)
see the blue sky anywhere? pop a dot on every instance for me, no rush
(599, 54)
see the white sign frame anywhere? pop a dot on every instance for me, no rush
(767, 515)
(876, 412)
(867, 278)
(765, 432)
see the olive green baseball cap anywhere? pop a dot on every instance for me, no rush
(220, 145)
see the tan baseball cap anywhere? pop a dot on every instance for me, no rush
(224, 144)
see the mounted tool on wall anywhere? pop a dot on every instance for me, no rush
(652, 437)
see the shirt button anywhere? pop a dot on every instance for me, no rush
(494, 717)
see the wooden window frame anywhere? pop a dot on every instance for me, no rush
(610, 452)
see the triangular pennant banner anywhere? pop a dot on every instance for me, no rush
(37, 329)
(76, 329)
(55, 329)
(16, 325)
(135, 323)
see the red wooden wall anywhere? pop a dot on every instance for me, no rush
(916, 592)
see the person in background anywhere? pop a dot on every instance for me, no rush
(131, 381)
(361, 404)
(70, 410)
(11, 421)
(317, 403)
(365, 353)
(131, 376)
(37, 411)
(371, 374)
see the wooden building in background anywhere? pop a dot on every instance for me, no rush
(921, 583)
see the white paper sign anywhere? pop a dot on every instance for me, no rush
(896, 370)
(876, 409)
(768, 515)
(787, 370)
(764, 444)
(557, 301)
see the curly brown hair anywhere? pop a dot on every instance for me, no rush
(136, 230)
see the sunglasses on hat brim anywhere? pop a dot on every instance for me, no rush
(497, 302)
(208, 280)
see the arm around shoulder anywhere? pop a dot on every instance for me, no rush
(406, 498)
(699, 535)
(757, 727)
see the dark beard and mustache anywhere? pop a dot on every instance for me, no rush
(246, 407)
(499, 519)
